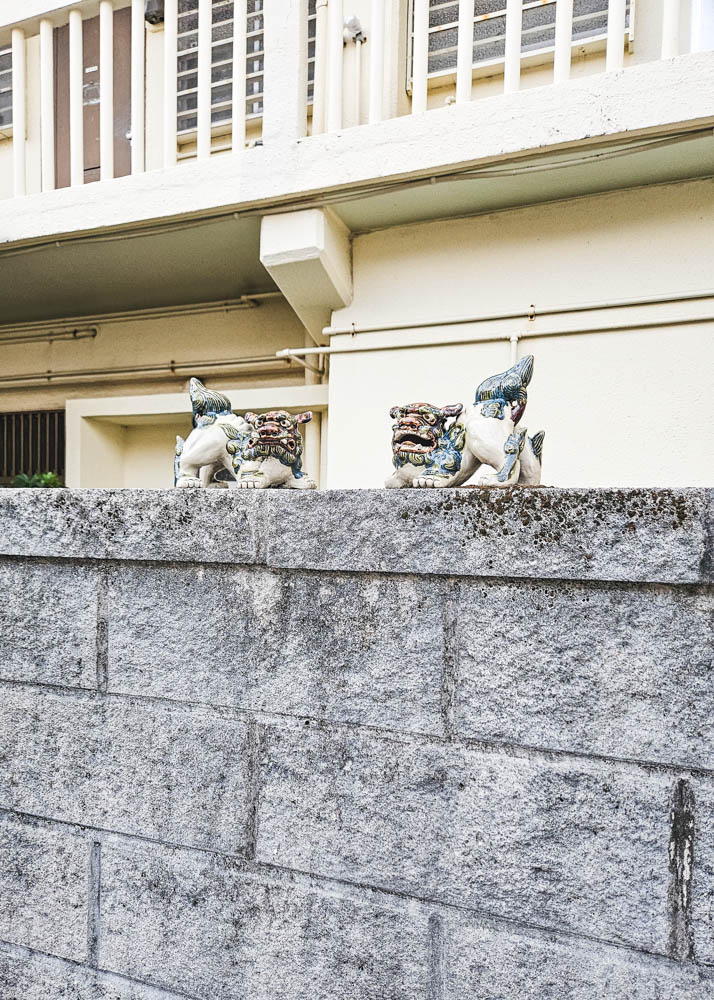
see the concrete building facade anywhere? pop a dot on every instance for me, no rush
(389, 201)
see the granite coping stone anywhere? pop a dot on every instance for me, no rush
(638, 535)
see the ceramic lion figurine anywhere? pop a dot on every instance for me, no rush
(203, 454)
(270, 455)
(435, 447)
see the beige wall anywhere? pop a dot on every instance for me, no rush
(619, 408)
(262, 330)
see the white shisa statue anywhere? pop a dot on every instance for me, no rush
(428, 451)
(252, 452)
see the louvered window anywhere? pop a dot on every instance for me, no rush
(5, 87)
(30, 443)
(589, 22)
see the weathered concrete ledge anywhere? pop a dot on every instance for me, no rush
(636, 535)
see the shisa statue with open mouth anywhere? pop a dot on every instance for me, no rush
(271, 454)
(428, 451)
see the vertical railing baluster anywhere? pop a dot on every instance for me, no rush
(420, 56)
(465, 51)
(19, 123)
(76, 103)
(670, 28)
(204, 78)
(616, 19)
(335, 57)
(106, 90)
(514, 29)
(376, 62)
(285, 78)
(240, 18)
(138, 113)
(563, 40)
(170, 90)
(47, 105)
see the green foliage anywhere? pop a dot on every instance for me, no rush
(40, 480)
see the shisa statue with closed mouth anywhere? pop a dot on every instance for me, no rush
(436, 447)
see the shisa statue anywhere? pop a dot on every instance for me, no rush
(225, 450)
(203, 454)
(435, 447)
(270, 455)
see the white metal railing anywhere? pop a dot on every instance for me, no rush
(270, 51)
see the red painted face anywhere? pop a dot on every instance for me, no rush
(418, 427)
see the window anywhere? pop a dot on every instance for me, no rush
(589, 22)
(31, 442)
(222, 61)
(5, 87)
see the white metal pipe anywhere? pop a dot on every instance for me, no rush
(240, 18)
(670, 28)
(106, 89)
(335, 56)
(170, 90)
(138, 46)
(420, 56)
(563, 40)
(514, 30)
(76, 102)
(319, 88)
(47, 105)
(465, 51)
(19, 123)
(358, 82)
(702, 29)
(616, 18)
(205, 8)
(376, 62)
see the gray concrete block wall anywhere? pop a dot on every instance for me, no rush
(366, 745)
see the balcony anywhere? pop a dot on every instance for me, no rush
(112, 129)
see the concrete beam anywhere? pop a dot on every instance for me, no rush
(308, 256)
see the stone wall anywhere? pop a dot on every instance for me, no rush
(360, 745)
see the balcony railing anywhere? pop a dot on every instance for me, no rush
(238, 72)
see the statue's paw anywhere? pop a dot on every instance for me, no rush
(491, 480)
(431, 482)
(188, 482)
(303, 483)
(251, 484)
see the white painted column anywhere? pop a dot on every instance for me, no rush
(240, 18)
(47, 105)
(106, 89)
(357, 110)
(616, 16)
(205, 8)
(514, 29)
(420, 56)
(335, 58)
(76, 101)
(465, 51)
(19, 114)
(376, 62)
(170, 67)
(670, 28)
(702, 34)
(138, 113)
(563, 39)
(285, 77)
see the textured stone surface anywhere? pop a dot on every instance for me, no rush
(43, 895)
(702, 874)
(500, 963)
(588, 668)
(205, 925)
(27, 976)
(330, 646)
(155, 770)
(632, 534)
(555, 843)
(48, 623)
